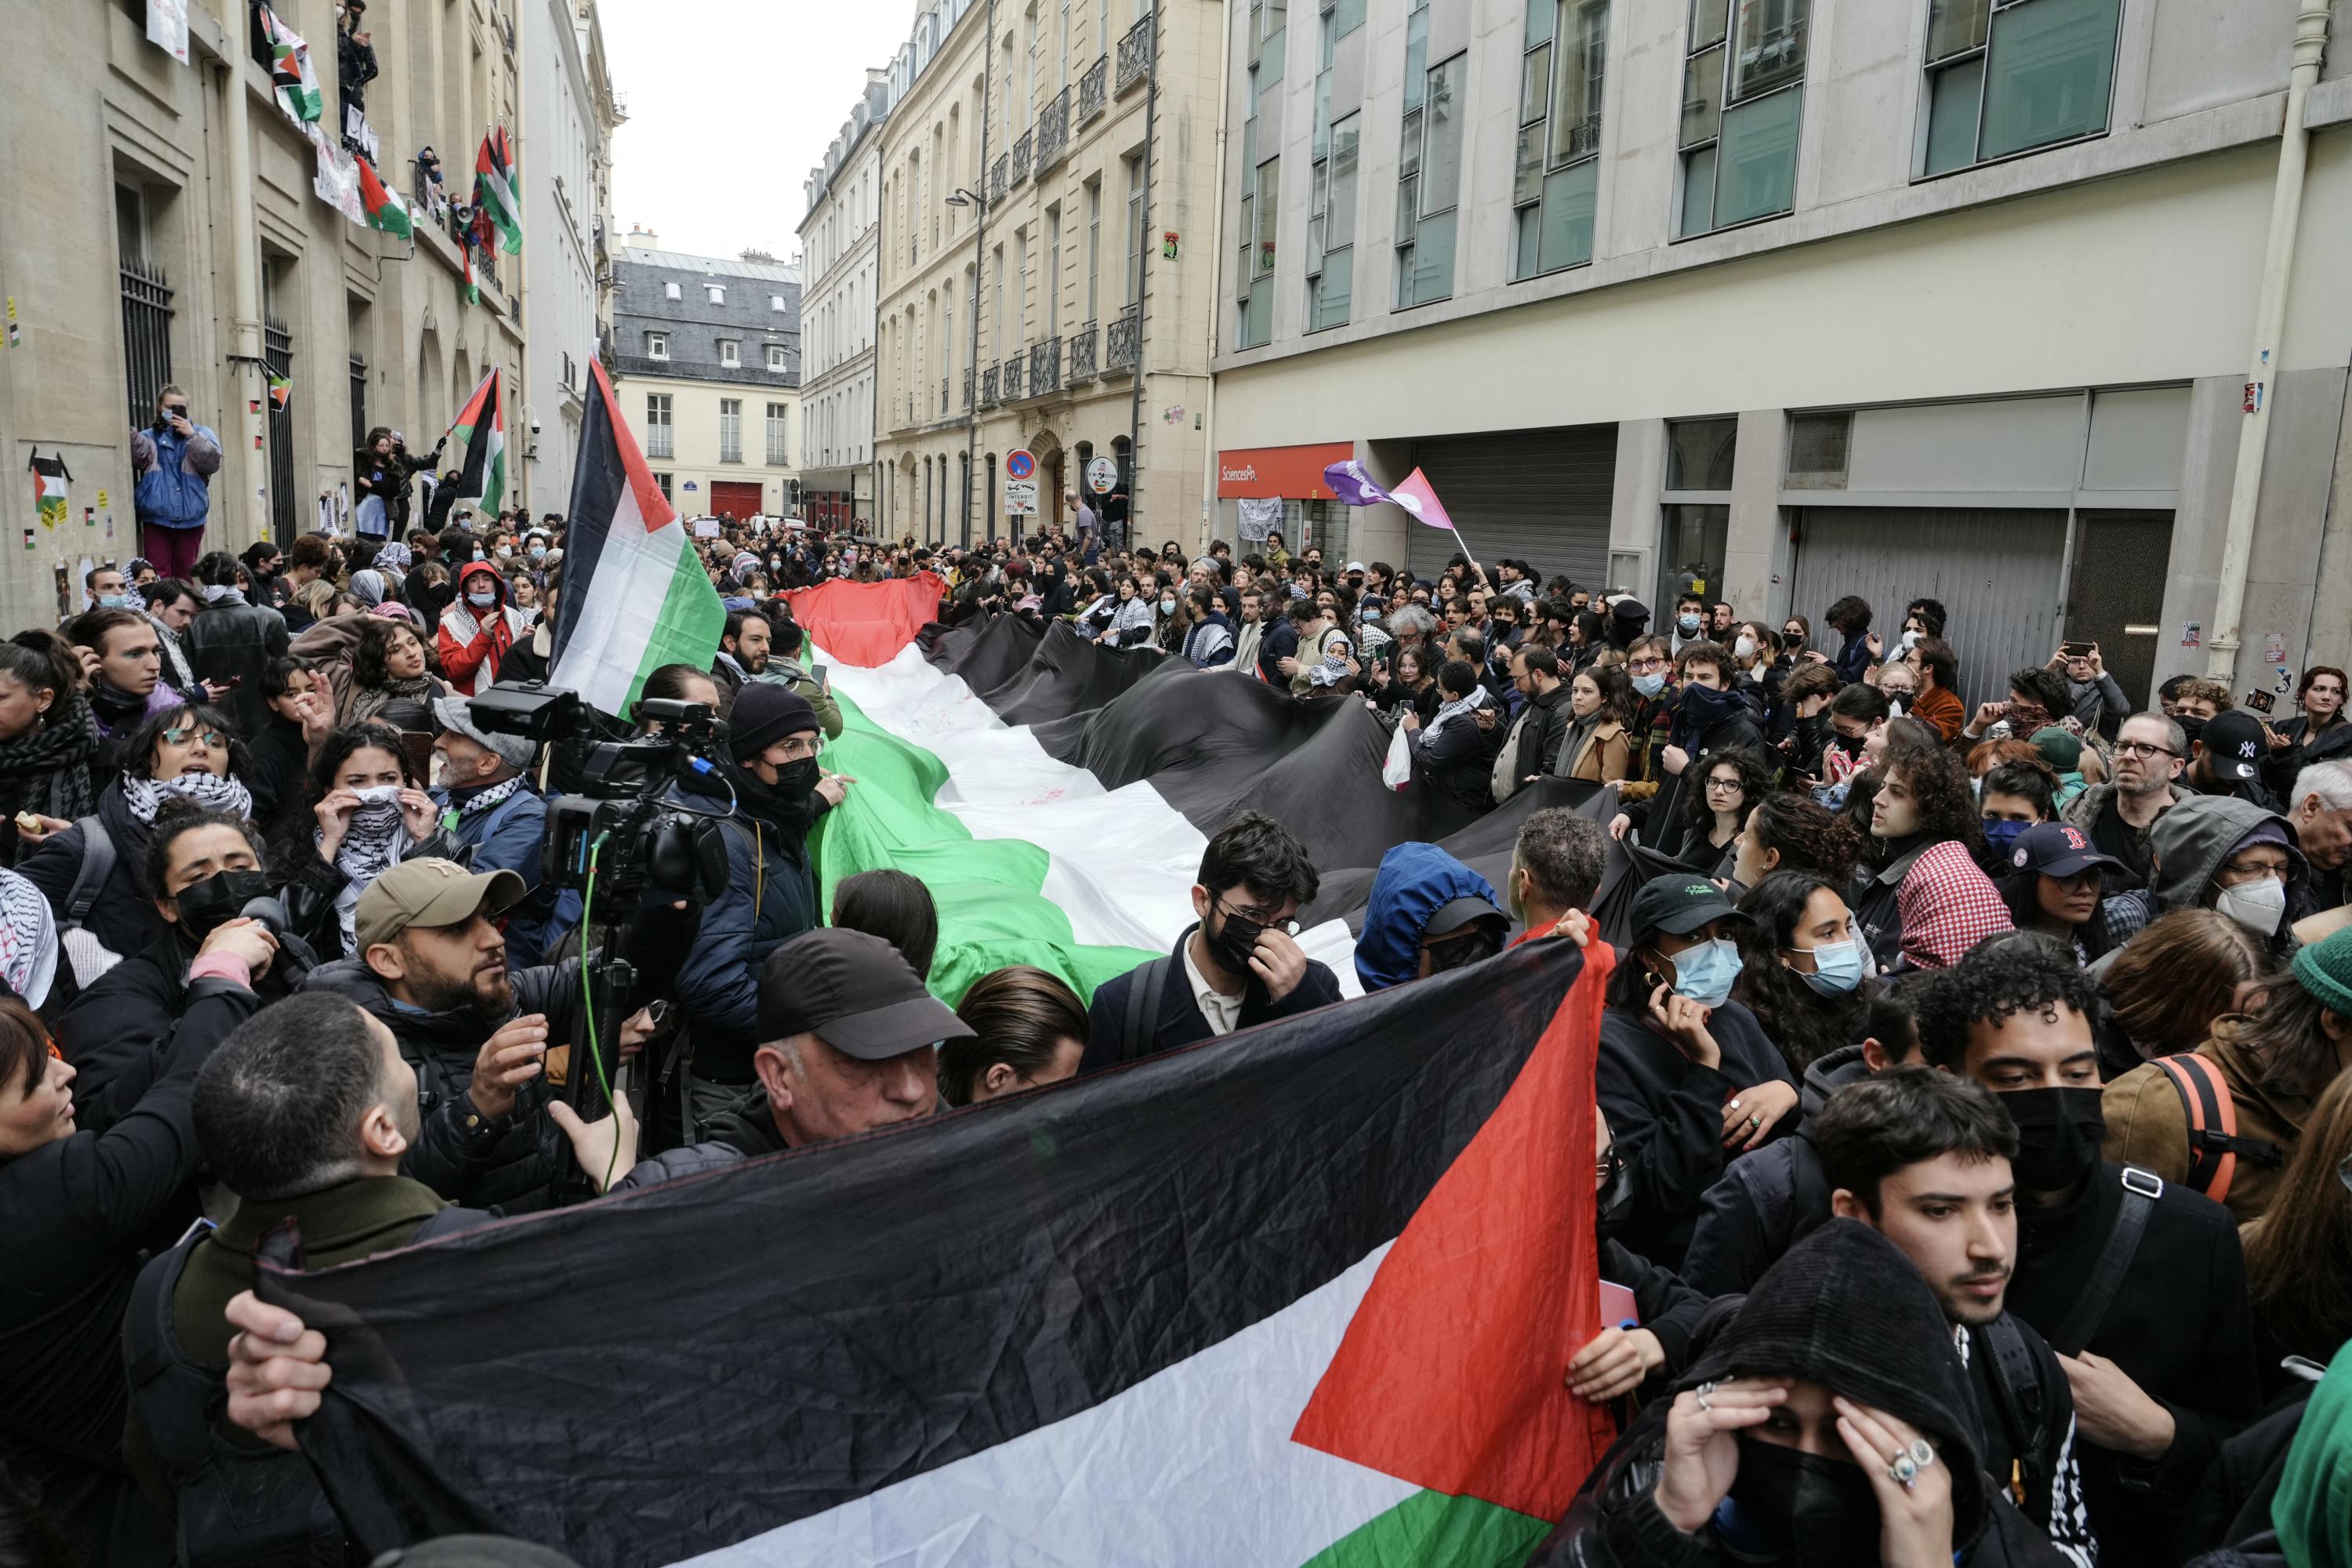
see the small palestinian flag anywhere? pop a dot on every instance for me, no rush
(473, 284)
(635, 595)
(482, 425)
(498, 185)
(1301, 1295)
(281, 393)
(51, 482)
(290, 70)
(385, 210)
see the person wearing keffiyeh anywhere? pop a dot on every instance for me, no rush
(364, 811)
(1452, 750)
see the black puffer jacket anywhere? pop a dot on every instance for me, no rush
(1767, 1201)
(1845, 1309)
(123, 917)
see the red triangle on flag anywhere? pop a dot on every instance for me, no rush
(1451, 1375)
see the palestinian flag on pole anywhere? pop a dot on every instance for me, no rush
(1298, 1296)
(498, 187)
(385, 210)
(290, 70)
(482, 425)
(281, 392)
(635, 593)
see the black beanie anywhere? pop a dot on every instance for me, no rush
(765, 713)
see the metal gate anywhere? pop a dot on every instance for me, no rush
(146, 336)
(1996, 572)
(1540, 496)
(277, 358)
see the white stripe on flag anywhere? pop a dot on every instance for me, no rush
(1193, 1466)
(620, 607)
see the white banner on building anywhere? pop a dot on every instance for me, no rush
(167, 27)
(1259, 517)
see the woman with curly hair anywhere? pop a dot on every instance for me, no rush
(1803, 972)
(1922, 800)
(1729, 784)
(390, 681)
(1791, 832)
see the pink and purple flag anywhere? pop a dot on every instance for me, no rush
(1352, 484)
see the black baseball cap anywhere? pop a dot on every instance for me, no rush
(1680, 903)
(853, 990)
(2057, 849)
(1455, 913)
(2233, 740)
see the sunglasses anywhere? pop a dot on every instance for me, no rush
(181, 734)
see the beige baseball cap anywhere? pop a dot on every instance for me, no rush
(430, 892)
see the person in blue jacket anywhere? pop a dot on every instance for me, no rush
(482, 785)
(1428, 913)
(173, 462)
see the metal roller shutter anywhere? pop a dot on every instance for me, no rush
(1996, 572)
(1540, 496)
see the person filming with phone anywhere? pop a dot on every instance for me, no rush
(173, 460)
(2098, 702)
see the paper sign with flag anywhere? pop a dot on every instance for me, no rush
(1337, 1343)
(50, 486)
(482, 425)
(635, 593)
(497, 183)
(385, 210)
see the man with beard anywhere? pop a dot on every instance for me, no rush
(2138, 1285)
(743, 655)
(1923, 1158)
(1237, 966)
(2150, 751)
(304, 1113)
(432, 968)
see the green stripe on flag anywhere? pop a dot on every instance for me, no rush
(1430, 1526)
(993, 912)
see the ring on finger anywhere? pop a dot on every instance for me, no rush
(1921, 1453)
(1704, 1389)
(1903, 1470)
(1756, 1122)
(1735, 1102)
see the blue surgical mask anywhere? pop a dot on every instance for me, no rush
(2001, 834)
(121, 602)
(1687, 623)
(1837, 967)
(1650, 685)
(1373, 615)
(1705, 972)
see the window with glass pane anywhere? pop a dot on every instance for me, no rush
(1330, 295)
(1340, 229)
(1270, 194)
(1699, 454)
(1578, 58)
(1743, 101)
(1416, 54)
(1560, 100)
(2007, 77)
(1346, 17)
(1330, 230)
(1440, 157)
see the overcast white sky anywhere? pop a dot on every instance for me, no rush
(731, 102)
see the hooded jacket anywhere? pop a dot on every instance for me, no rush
(473, 643)
(232, 643)
(1414, 881)
(1945, 906)
(1767, 1201)
(174, 487)
(1846, 1310)
(2193, 840)
(2085, 809)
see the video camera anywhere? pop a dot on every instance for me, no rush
(612, 836)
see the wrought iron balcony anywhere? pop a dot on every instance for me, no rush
(1054, 132)
(1021, 156)
(1091, 96)
(1011, 382)
(943, 397)
(1081, 353)
(967, 391)
(1123, 343)
(1134, 56)
(1045, 367)
(988, 387)
(996, 181)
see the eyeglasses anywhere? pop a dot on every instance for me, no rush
(1728, 786)
(1259, 918)
(1645, 666)
(181, 734)
(798, 749)
(2143, 749)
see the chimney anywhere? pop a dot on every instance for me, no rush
(757, 255)
(643, 237)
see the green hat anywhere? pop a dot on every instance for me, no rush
(2060, 750)
(2325, 969)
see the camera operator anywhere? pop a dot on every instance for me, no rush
(778, 792)
(432, 967)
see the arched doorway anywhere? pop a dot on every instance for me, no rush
(1047, 448)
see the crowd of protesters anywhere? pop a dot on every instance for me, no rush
(1972, 1119)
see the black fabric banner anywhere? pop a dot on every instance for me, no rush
(670, 1371)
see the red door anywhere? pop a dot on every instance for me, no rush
(734, 498)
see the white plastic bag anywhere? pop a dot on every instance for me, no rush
(1396, 772)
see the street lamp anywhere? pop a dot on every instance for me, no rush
(960, 197)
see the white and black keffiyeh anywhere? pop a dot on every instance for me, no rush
(174, 652)
(145, 798)
(491, 795)
(1332, 668)
(375, 836)
(28, 939)
(1135, 615)
(1462, 709)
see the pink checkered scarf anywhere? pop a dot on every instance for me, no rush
(1948, 906)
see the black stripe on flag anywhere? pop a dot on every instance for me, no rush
(474, 476)
(669, 1372)
(599, 480)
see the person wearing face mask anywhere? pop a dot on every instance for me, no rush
(1803, 971)
(1710, 717)
(2215, 853)
(1788, 1447)
(204, 867)
(1239, 965)
(1686, 1075)
(2271, 1063)
(477, 631)
(780, 788)
(2057, 885)
(2107, 1253)
(1690, 620)
(2013, 796)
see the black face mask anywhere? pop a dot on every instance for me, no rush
(2058, 1131)
(1800, 1507)
(1612, 1204)
(796, 779)
(1235, 941)
(2189, 724)
(204, 907)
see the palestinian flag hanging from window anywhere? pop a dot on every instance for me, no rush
(482, 425)
(385, 210)
(635, 593)
(473, 284)
(498, 186)
(289, 69)
(281, 393)
(1302, 1295)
